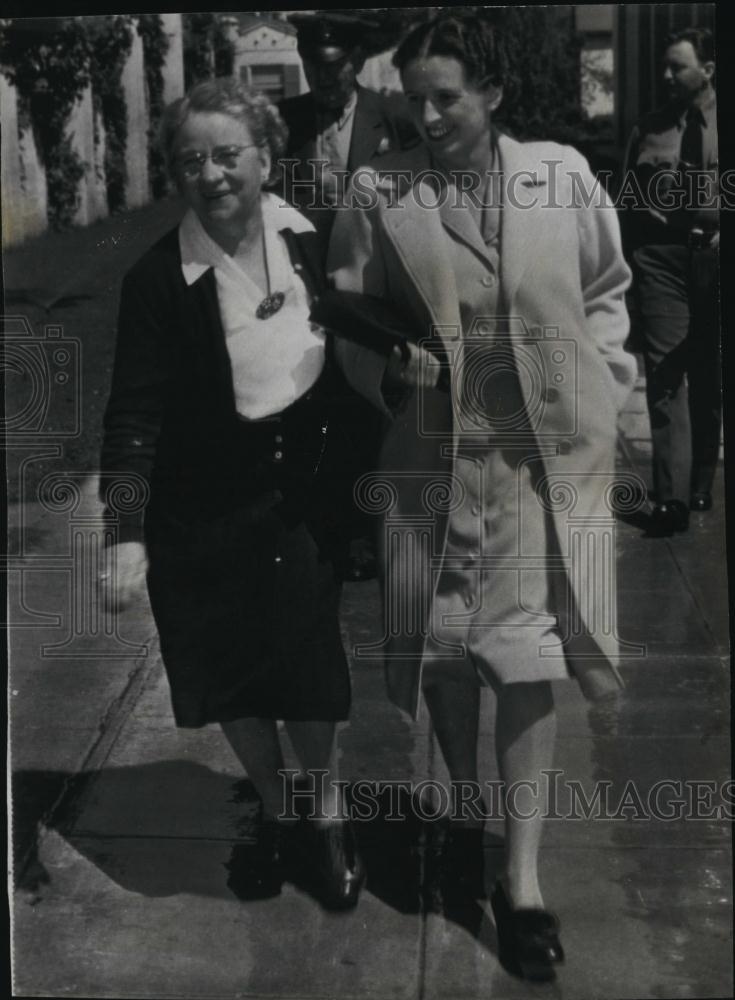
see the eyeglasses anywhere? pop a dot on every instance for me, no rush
(192, 164)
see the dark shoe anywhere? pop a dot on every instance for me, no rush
(256, 870)
(340, 868)
(528, 940)
(700, 501)
(668, 518)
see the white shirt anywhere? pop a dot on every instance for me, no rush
(276, 360)
(333, 140)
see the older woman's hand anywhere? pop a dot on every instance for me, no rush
(412, 367)
(124, 573)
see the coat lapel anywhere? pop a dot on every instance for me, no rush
(301, 122)
(417, 233)
(458, 219)
(411, 227)
(524, 189)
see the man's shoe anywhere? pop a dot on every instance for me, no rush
(668, 518)
(700, 501)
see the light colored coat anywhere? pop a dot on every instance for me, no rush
(561, 268)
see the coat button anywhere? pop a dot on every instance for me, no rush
(278, 559)
(488, 281)
(278, 455)
(477, 510)
(279, 438)
(468, 599)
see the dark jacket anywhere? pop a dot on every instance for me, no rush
(241, 586)
(658, 205)
(381, 124)
(171, 418)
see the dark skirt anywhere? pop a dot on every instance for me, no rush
(247, 614)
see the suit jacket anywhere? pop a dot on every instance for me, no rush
(654, 148)
(560, 268)
(376, 127)
(376, 130)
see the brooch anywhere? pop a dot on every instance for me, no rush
(270, 305)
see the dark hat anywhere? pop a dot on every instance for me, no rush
(329, 37)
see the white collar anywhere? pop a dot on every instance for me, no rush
(199, 252)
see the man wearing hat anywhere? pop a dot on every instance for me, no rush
(335, 128)
(339, 125)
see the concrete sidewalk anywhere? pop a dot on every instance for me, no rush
(125, 827)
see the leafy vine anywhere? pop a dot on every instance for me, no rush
(155, 47)
(207, 50)
(50, 72)
(110, 43)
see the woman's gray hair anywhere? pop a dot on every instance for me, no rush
(227, 96)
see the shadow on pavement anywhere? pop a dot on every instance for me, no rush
(168, 808)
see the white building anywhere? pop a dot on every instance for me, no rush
(265, 55)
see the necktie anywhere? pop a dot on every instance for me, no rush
(692, 154)
(328, 116)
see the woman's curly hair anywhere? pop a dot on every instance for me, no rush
(465, 35)
(227, 96)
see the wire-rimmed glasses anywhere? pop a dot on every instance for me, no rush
(226, 157)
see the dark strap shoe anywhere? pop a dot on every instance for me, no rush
(528, 939)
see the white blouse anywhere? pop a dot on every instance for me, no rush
(275, 360)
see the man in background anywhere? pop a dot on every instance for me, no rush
(673, 244)
(339, 125)
(335, 128)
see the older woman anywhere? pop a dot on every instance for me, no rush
(219, 401)
(504, 412)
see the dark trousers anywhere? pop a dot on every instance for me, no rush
(677, 290)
